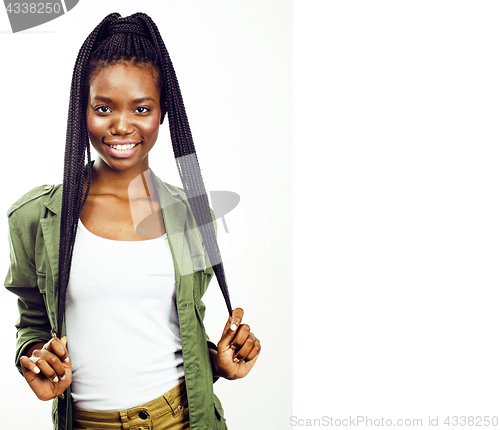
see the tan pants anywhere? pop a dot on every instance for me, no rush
(167, 412)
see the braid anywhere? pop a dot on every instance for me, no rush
(132, 39)
(77, 143)
(187, 161)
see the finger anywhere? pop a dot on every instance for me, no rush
(47, 370)
(29, 366)
(245, 349)
(58, 347)
(52, 361)
(231, 328)
(235, 318)
(254, 353)
(241, 337)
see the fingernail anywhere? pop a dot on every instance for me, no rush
(56, 379)
(234, 327)
(236, 360)
(67, 359)
(63, 378)
(36, 370)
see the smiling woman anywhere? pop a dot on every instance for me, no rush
(124, 115)
(66, 243)
(123, 121)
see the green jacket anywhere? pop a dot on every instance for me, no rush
(34, 225)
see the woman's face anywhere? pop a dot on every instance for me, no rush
(123, 115)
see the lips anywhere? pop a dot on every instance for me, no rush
(122, 149)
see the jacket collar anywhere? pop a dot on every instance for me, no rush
(168, 194)
(54, 203)
(174, 210)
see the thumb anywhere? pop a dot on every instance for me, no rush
(230, 329)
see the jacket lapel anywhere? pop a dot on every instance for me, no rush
(174, 217)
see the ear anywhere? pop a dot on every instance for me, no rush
(163, 113)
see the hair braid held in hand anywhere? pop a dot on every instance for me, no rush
(133, 39)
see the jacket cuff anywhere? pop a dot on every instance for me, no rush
(25, 341)
(212, 345)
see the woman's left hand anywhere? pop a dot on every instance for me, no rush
(237, 349)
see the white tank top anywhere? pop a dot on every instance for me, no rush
(121, 322)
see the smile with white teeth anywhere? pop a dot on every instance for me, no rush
(123, 147)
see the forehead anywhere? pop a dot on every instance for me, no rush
(124, 79)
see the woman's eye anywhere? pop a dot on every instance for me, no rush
(142, 109)
(102, 109)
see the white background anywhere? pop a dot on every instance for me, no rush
(396, 209)
(234, 65)
(396, 234)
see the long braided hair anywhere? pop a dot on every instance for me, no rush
(131, 39)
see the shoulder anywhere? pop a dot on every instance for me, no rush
(175, 191)
(181, 194)
(33, 202)
(164, 186)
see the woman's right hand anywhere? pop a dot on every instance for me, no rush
(48, 370)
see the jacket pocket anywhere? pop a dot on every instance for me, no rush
(201, 279)
(220, 421)
(41, 281)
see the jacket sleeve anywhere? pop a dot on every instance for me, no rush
(33, 325)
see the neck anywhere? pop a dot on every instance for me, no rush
(110, 181)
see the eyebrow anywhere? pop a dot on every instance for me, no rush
(102, 98)
(143, 99)
(108, 100)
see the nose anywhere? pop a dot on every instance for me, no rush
(122, 125)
